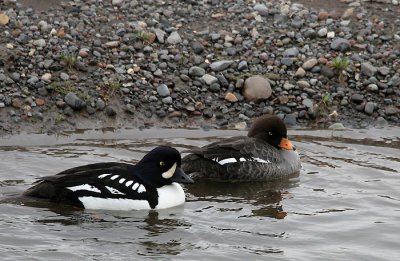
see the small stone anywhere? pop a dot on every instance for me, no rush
(303, 84)
(160, 34)
(323, 15)
(257, 88)
(163, 90)
(40, 43)
(196, 71)
(174, 38)
(39, 102)
(368, 69)
(242, 66)
(197, 47)
(357, 98)
(372, 87)
(309, 64)
(117, 2)
(261, 9)
(381, 122)
(64, 76)
(46, 77)
(209, 79)
(291, 52)
(300, 72)
(391, 110)
(369, 108)
(287, 61)
(384, 70)
(110, 111)
(220, 65)
(230, 97)
(340, 44)
(348, 13)
(16, 103)
(167, 100)
(74, 101)
(322, 32)
(308, 103)
(112, 44)
(84, 52)
(330, 35)
(4, 19)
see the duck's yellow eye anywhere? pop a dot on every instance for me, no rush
(162, 163)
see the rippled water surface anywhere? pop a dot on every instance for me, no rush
(345, 205)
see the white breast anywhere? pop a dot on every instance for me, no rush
(170, 196)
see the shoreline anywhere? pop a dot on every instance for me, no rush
(127, 64)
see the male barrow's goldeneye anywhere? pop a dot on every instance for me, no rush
(266, 154)
(150, 184)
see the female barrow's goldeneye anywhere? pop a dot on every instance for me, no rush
(266, 154)
(150, 184)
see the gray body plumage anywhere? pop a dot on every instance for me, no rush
(249, 159)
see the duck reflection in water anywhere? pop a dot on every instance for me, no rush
(265, 198)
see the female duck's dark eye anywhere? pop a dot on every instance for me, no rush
(162, 163)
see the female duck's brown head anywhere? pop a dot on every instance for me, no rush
(271, 129)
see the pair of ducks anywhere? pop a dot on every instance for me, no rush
(152, 183)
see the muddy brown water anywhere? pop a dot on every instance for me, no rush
(345, 205)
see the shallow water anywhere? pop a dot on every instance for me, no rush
(345, 205)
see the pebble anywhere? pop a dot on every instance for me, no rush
(230, 97)
(74, 101)
(369, 108)
(340, 44)
(174, 38)
(163, 90)
(368, 69)
(309, 64)
(209, 79)
(220, 65)
(196, 71)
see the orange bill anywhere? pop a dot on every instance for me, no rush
(286, 144)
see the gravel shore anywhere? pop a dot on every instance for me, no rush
(126, 63)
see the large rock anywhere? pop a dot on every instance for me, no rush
(257, 88)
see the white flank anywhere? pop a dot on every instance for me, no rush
(261, 160)
(170, 196)
(114, 177)
(228, 160)
(141, 189)
(135, 186)
(122, 181)
(103, 176)
(169, 173)
(86, 187)
(233, 160)
(129, 183)
(114, 203)
(114, 191)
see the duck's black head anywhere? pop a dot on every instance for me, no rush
(271, 129)
(162, 166)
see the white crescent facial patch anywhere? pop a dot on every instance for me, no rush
(169, 173)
